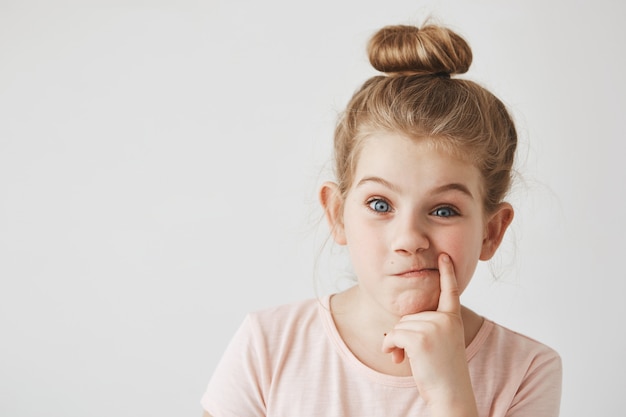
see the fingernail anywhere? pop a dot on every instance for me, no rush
(445, 258)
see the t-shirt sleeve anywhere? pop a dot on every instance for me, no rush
(236, 387)
(539, 395)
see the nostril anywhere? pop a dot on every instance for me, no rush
(408, 252)
(416, 246)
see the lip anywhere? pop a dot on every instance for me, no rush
(417, 273)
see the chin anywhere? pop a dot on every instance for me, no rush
(406, 304)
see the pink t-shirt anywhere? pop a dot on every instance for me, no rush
(290, 361)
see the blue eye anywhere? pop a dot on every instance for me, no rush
(444, 212)
(379, 205)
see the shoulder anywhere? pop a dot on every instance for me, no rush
(514, 373)
(288, 334)
(515, 353)
(269, 334)
(514, 342)
(287, 320)
(272, 345)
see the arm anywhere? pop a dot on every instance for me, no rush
(539, 395)
(236, 386)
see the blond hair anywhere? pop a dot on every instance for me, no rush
(418, 98)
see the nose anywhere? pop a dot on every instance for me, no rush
(410, 236)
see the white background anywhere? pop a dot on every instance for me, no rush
(159, 163)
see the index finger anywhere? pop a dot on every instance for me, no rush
(449, 297)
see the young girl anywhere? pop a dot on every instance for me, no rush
(423, 162)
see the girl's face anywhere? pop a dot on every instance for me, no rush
(409, 203)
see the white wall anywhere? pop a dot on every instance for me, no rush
(158, 169)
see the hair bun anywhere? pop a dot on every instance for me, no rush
(409, 49)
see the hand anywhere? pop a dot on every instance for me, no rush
(434, 342)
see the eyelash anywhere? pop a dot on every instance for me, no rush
(452, 210)
(376, 200)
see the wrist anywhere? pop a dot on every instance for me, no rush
(456, 410)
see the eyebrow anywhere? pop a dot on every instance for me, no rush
(378, 180)
(454, 186)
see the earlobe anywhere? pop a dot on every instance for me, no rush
(495, 228)
(331, 201)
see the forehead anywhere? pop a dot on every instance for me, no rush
(413, 163)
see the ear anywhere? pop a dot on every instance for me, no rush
(331, 201)
(495, 228)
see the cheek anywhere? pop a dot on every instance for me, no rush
(362, 239)
(361, 233)
(366, 245)
(464, 249)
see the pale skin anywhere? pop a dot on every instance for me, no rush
(414, 225)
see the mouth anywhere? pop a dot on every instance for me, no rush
(417, 273)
